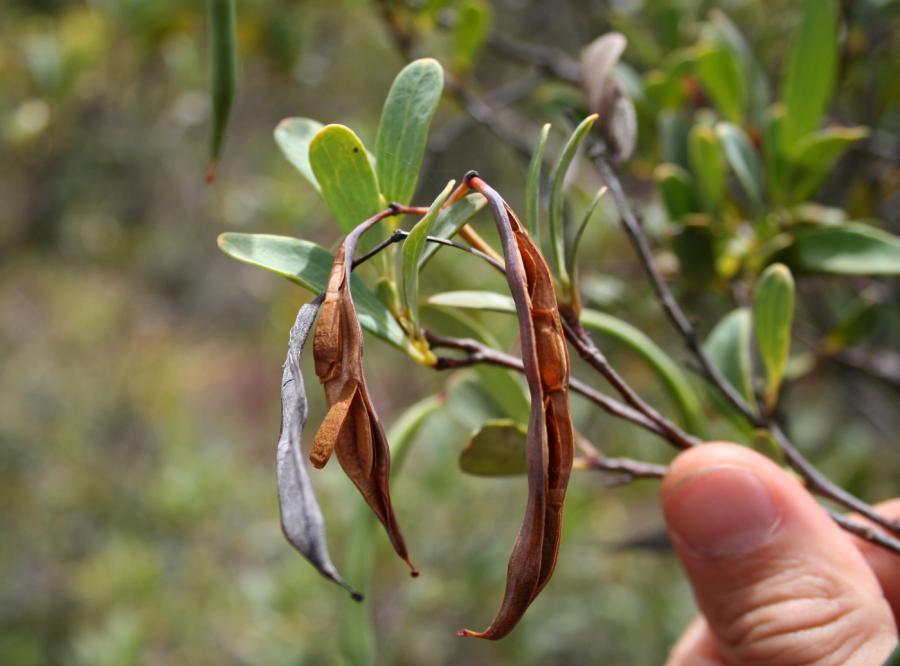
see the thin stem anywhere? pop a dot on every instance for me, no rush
(546, 59)
(628, 467)
(399, 235)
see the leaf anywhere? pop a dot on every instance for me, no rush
(848, 249)
(403, 130)
(356, 631)
(775, 161)
(402, 433)
(473, 25)
(498, 448)
(450, 220)
(723, 80)
(605, 96)
(342, 169)
(293, 136)
(815, 155)
(676, 187)
(533, 188)
(810, 74)
(412, 250)
(301, 518)
(730, 37)
(773, 314)
(557, 180)
(308, 265)
(668, 372)
(728, 346)
(475, 300)
(743, 160)
(708, 167)
(222, 75)
(572, 254)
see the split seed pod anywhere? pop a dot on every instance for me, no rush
(550, 442)
(351, 427)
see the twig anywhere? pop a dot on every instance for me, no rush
(399, 235)
(865, 532)
(546, 59)
(630, 468)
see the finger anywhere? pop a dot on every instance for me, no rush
(886, 565)
(777, 581)
(696, 647)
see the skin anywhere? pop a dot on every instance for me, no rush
(775, 579)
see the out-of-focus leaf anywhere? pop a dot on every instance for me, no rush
(773, 315)
(403, 131)
(474, 300)
(222, 74)
(676, 187)
(695, 246)
(301, 518)
(671, 376)
(708, 167)
(857, 322)
(732, 38)
(743, 160)
(413, 247)
(356, 630)
(816, 154)
(809, 78)
(470, 401)
(775, 160)
(572, 254)
(496, 449)
(293, 136)
(345, 175)
(849, 249)
(450, 220)
(309, 265)
(557, 180)
(473, 25)
(401, 434)
(674, 127)
(728, 346)
(605, 97)
(533, 189)
(723, 80)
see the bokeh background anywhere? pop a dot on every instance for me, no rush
(140, 367)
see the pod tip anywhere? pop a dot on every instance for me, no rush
(211, 172)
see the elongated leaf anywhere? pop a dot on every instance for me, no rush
(743, 160)
(498, 448)
(301, 518)
(450, 220)
(758, 85)
(222, 74)
(557, 180)
(723, 80)
(572, 254)
(668, 372)
(473, 25)
(533, 189)
(342, 169)
(810, 73)
(474, 300)
(293, 136)
(356, 631)
(708, 167)
(413, 247)
(676, 187)
(403, 131)
(773, 315)
(848, 249)
(775, 160)
(728, 345)
(404, 430)
(815, 155)
(308, 265)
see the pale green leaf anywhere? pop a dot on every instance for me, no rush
(403, 130)
(473, 26)
(293, 136)
(723, 80)
(403, 431)
(728, 346)
(815, 155)
(473, 300)
(498, 448)
(773, 315)
(533, 188)
(450, 220)
(676, 187)
(344, 173)
(849, 249)
(708, 167)
(572, 254)
(744, 161)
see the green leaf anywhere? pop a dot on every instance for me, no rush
(857, 322)
(572, 253)
(743, 160)
(533, 189)
(775, 161)
(473, 300)
(473, 25)
(708, 167)
(732, 38)
(498, 448)
(293, 136)
(728, 346)
(557, 180)
(309, 265)
(810, 74)
(773, 315)
(470, 402)
(356, 628)
(222, 74)
(676, 187)
(402, 433)
(723, 79)
(413, 247)
(815, 155)
(344, 173)
(668, 372)
(849, 249)
(403, 131)
(450, 220)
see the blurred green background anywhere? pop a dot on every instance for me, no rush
(139, 366)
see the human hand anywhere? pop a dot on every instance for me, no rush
(776, 580)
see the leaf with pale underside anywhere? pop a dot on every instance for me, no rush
(450, 220)
(293, 136)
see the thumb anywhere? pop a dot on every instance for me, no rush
(776, 580)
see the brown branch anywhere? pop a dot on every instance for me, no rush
(627, 467)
